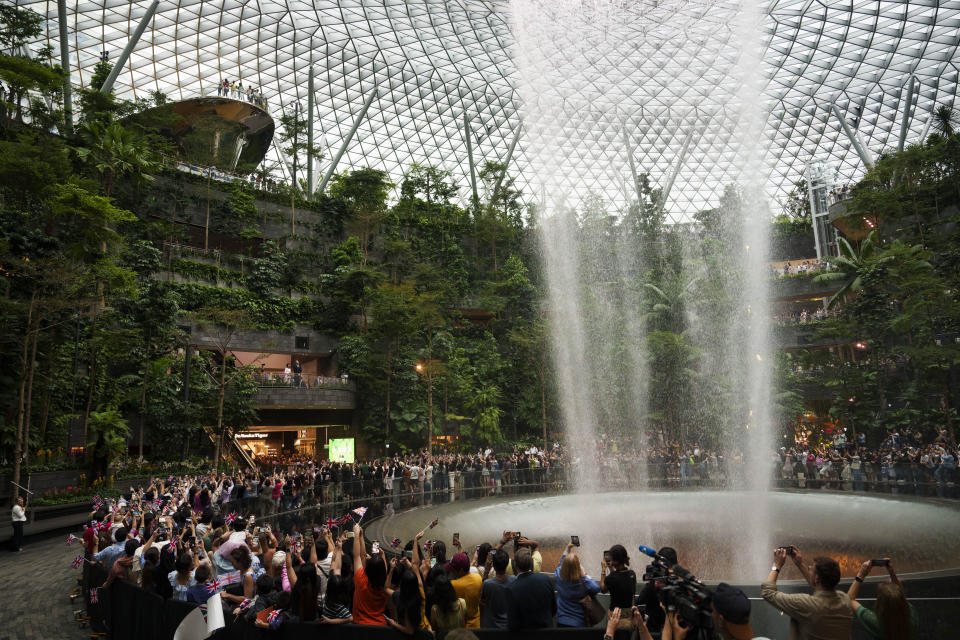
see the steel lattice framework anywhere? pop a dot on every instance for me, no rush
(656, 74)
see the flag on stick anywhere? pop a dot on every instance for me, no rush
(78, 561)
(94, 596)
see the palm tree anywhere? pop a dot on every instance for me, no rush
(113, 151)
(848, 266)
(108, 433)
(669, 302)
(945, 120)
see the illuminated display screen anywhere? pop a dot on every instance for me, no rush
(341, 450)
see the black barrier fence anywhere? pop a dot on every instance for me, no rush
(336, 498)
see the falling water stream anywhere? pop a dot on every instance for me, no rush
(593, 77)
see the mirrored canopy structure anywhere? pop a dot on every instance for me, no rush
(842, 80)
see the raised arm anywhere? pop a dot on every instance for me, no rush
(893, 574)
(337, 562)
(801, 564)
(359, 547)
(854, 589)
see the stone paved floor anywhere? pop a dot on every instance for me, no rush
(35, 589)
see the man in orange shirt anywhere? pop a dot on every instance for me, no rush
(369, 595)
(467, 585)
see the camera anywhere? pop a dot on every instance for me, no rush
(679, 591)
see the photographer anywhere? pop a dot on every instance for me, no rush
(648, 596)
(730, 609)
(621, 583)
(895, 618)
(824, 615)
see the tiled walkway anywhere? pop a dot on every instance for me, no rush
(35, 591)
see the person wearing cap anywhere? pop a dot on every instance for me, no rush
(824, 615)
(731, 613)
(467, 585)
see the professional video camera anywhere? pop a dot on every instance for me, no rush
(679, 591)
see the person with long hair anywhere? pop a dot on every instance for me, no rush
(618, 579)
(339, 596)
(241, 560)
(895, 618)
(448, 611)
(406, 601)
(304, 592)
(573, 585)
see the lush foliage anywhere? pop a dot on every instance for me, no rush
(899, 305)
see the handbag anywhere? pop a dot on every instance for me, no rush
(593, 611)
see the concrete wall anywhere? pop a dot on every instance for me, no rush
(802, 287)
(297, 398)
(265, 340)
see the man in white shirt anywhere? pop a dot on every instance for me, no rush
(19, 518)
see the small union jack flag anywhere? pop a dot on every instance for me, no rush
(435, 522)
(273, 617)
(231, 577)
(170, 479)
(94, 596)
(395, 542)
(360, 511)
(428, 544)
(157, 504)
(174, 540)
(78, 561)
(230, 518)
(103, 526)
(216, 584)
(243, 606)
(331, 523)
(345, 519)
(70, 539)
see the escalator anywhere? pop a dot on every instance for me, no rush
(232, 449)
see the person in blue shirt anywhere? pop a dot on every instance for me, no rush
(108, 556)
(573, 585)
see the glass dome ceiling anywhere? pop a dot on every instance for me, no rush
(619, 78)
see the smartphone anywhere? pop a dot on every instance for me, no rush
(575, 541)
(606, 557)
(879, 562)
(253, 519)
(456, 536)
(788, 548)
(375, 549)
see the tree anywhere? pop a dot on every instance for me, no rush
(223, 326)
(531, 342)
(849, 265)
(108, 439)
(112, 151)
(364, 192)
(18, 26)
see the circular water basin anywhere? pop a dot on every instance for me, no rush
(719, 535)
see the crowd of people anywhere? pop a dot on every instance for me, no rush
(265, 576)
(292, 375)
(235, 89)
(805, 316)
(841, 193)
(903, 464)
(802, 267)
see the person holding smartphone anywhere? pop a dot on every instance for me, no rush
(894, 617)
